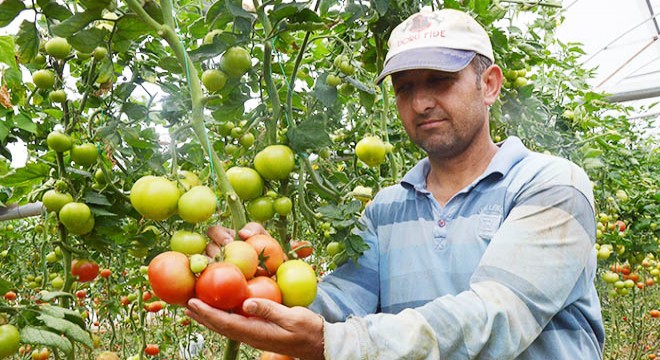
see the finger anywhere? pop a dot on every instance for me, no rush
(271, 311)
(220, 234)
(251, 229)
(212, 249)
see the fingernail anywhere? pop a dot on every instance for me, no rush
(250, 307)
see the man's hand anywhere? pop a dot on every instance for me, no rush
(221, 236)
(294, 331)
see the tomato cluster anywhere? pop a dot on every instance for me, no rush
(257, 267)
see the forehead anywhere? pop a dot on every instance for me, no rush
(416, 74)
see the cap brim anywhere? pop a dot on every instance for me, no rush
(435, 58)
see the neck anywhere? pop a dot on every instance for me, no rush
(449, 175)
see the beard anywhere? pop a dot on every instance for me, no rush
(448, 140)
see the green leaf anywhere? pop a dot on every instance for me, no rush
(71, 330)
(282, 11)
(129, 28)
(5, 286)
(76, 23)
(36, 336)
(64, 313)
(87, 40)
(381, 6)
(24, 122)
(28, 41)
(326, 94)
(92, 197)
(3, 132)
(54, 10)
(54, 295)
(135, 111)
(310, 134)
(9, 10)
(7, 51)
(25, 175)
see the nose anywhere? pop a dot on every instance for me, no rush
(422, 99)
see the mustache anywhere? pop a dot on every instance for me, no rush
(432, 114)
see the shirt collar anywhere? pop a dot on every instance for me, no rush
(511, 151)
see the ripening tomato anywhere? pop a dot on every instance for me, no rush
(105, 273)
(10, 296)
(152, 349)
(264, 287)
(222, 286)
(171, 278)
(84, 269)
(655, 313)
(297, 281)
(275, 162)
(371, 150)
(302, 248)
(242, 255)
(155, 197)
(81, 294)
(267, 355)
(197, 204)
(42, 354)
(187, 242)
(269, 250)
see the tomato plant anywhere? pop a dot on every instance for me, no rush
(222, 285)
(171, 278)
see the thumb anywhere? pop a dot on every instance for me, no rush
(251, 229)
(263, 308)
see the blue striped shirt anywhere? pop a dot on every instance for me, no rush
(503, 271)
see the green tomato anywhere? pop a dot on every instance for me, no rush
(77, 218)
(58, 47)
(246, 140)
(197, 204)
(84, 154)
(57, 96)
(54, 200)
(57, 283)
(155, 197)
(10, 340)
(100, 53)
(283, 205)
(297, 281)
(333, 80)
(198, 263)
(275, 162)
(371, 150)
(214, 80)
(333, 248)
(261, 209)
(51, 257)
(187, 242)
(59, 141)
(236, 61)
(346, 68)
(246, 182)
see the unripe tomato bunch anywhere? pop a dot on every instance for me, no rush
(254, 268)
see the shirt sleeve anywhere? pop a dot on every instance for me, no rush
(352, 289)
(527, 274)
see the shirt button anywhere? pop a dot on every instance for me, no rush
(442, 223)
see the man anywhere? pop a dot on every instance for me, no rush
(482, 251)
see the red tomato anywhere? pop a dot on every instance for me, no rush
(10, 295)
(81, 294)
(171, 278)
(146, 296)
(269, 251)
(154, 307)
(124, 301)
(655, 313)
(105, 273)
(152, 349)
(84, 269)
(262, 287)
(620, 225)
(222, 285)
(303, 248)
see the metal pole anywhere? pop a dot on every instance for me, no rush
(634, 95)
(13, 211)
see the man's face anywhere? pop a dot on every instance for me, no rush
(442, 112)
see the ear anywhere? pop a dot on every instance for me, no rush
(491, 83)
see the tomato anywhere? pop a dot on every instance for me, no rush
(610, 277)
(297, 281)
(187, 180)
(43, 79)
(267, 355)
(10, 296)
(197, 204)
(261, 209)
(81, 294)
(222, 286)
(198, 263)
(187, 242)
(302, 248)
(264, 287)
(54, 200)
(107, 355)
(246, 140)
(371, 150)
(333, 248)
(655, 313)
(42, 354)
(58, 47)
(77, 218)
(243, 255)
(152, 349)
(283, 205)
(520, 82)
(59, 141)
(333, 80)
(105, 273)
(346, 68)
(57, 96)
(100, 52)
(275, 162)
(214, 80)
(155, 197)
(269, 250)
(84, 154)
(246, 182)
(124, 300)
(171, 278)
(236, 61)
(9, 340)
(84, 269)
(620, 225)
(154, 307)
(208, 38)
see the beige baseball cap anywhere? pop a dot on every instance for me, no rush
(444, 40)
